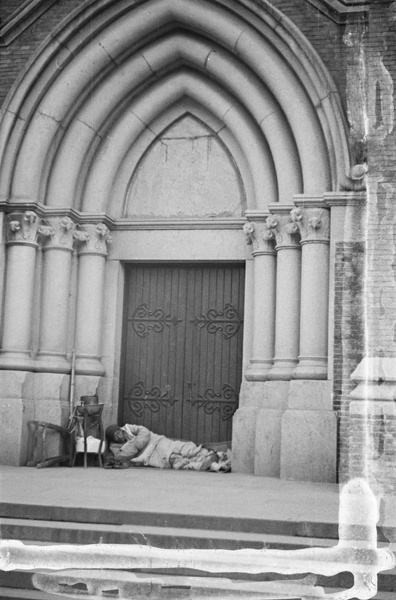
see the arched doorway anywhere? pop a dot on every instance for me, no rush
(83, 134)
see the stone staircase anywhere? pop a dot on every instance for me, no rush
(59, 525)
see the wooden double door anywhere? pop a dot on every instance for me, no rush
(182, 349)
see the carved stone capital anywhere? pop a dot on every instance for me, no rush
(22, 228)
(93, 239)
(286, 231)
(259, 237)
(313, 223)
(57, 232)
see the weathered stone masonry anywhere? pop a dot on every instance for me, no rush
(91, 89)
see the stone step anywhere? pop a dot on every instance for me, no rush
(315, 529)
(164, 530)
(61, 532)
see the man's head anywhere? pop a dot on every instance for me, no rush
(114, 433)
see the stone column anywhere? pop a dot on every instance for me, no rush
(57, 234)
(261, 238)
(288, 276)
(19, 288)
(93, 242)
(313, 223)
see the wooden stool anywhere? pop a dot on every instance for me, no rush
(38, 432)
(87, 420)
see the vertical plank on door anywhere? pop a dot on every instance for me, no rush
(182, 349)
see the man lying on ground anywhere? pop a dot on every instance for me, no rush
(135, 445)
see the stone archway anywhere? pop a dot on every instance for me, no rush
(77, 123)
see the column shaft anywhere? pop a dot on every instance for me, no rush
(89, 305)
(314, 228)
(314, 305)
(288, 273)
(19, 287)
(90, 291)
(57, 250)
(263, 301)
(21, 261)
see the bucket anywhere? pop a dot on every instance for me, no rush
(87, 400)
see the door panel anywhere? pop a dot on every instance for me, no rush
(182, 349)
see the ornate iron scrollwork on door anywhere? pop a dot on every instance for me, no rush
(143, 319)
(228, 321)
(139, 398)
(225, 401)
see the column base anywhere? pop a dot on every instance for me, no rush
(13, 431)
(268, 443)
(13, 417)
(283, 369)
(258, 370)
(309, 433)
(257, 428)
(243, 440)
(311, 367)
(89, 365)
(24, 396)
(16, 360)
(52, 362)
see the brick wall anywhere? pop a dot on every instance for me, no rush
(348, 335)
(324, 34)
(8, 7)
(376, 433)
(13, 57)
(372, 432)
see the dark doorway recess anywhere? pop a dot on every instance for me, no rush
(182, 348)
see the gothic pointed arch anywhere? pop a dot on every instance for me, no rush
(109, 72)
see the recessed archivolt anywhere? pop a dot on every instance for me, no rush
(140, 116)
(93, 124)
(69, 69)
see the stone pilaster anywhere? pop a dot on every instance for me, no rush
(288, 274)
(57, 237)
(313, 223)
(262, 241)
(18, 303)
(93, 241)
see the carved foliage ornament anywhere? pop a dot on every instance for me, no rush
(81, 236)
(259, 237)
(283, 229)
(58, 232)
(94, 238)
(313, 223)
(248, 230)
(23, 226)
